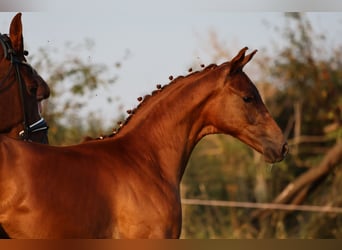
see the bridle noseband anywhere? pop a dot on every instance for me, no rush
(10, 55)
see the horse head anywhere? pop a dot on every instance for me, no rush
(21, 88)
(239, 111)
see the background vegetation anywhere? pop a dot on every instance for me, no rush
(302, 88)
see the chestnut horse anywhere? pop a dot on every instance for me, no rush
(128, 185)
(21, 89)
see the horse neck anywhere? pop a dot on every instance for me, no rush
(166, 128)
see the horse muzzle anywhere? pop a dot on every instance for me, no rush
(274, 154)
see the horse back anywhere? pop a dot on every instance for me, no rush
(45, 191)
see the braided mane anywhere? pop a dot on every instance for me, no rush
(159, 88)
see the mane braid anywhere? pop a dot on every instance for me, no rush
(144, 100)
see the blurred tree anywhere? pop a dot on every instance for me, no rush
(219, 168)
(74, 79)
(309, 107)
(309, 78)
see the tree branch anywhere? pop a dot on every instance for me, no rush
(296, 191)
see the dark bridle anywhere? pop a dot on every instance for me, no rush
(10, 55)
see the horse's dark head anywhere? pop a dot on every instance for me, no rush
(240, 111)
(21, 89)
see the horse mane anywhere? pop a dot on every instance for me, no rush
(144, 101)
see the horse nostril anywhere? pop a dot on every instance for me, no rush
(285, 149)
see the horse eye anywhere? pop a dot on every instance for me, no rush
(247, 99)
(26, 53)
(33, 90)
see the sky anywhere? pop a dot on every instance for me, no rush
(163, 37)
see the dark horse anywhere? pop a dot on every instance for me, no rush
(127, 186)
(21, 91)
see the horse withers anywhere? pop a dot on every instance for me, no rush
(128, 185)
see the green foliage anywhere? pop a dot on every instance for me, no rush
(73, 81)
(213, 174)
(308, 74)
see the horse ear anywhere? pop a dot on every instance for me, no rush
(240, 60)
(16, 33)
